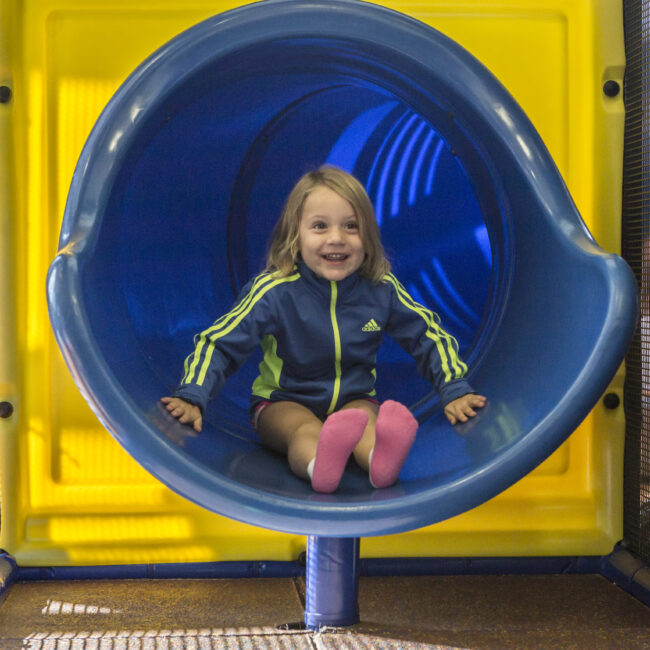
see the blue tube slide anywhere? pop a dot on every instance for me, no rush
(172, 203)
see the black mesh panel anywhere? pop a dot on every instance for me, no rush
(636, 250)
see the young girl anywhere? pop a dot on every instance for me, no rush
(319, 312)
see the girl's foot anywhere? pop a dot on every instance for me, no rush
(339, 436)
(395, 433)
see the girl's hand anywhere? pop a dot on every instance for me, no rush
(462, 408)
(185, 412)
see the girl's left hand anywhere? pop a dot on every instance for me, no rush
(462, 408)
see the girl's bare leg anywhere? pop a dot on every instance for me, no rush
(362, 450)
(315, 450)
(291, 429)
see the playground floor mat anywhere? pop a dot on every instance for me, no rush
(478, 612)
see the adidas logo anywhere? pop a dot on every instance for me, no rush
(371, 326)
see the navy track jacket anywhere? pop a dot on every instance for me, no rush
(320, 340)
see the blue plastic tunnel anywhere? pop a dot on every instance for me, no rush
(185, 173)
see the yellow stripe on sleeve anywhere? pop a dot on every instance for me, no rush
(227, 324)
(191, 369)
(448, 350)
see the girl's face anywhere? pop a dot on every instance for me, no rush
(330, 243)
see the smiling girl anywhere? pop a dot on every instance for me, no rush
(319, 312)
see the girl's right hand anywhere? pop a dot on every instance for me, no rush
(185, 412)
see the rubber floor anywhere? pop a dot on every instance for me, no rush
(478, 612)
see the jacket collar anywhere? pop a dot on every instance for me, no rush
(323, 286)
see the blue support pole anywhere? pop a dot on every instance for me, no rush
(332, 591)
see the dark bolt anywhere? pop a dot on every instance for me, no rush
(297, 625)
(611, 401)
(611, 88)
(5, 94)
(6, 409)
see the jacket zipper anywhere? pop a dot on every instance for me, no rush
(337, 348)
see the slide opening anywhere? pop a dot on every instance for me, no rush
(205, 179)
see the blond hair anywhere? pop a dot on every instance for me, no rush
(284, 249)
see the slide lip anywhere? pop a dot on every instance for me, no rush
(122, 417)
(91, 185)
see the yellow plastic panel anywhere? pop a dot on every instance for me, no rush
(70, 494)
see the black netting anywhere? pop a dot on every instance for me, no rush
(636, 249)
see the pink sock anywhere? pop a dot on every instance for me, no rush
(395, 433)
(340, 434)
